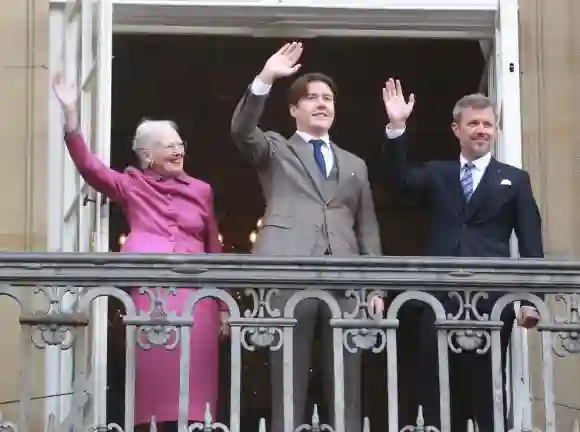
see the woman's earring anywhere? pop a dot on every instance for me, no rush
(149, 164)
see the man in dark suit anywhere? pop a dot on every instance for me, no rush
(318, 202)
(476, 203)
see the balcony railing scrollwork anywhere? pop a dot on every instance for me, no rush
(69, 285)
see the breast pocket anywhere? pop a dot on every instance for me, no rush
(348, 189)
(352, 181)
(504, 193)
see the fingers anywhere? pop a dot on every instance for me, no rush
(295, 68)
(380, 306)
(294, 51)
(528, 323)
(411, 102)
(390, 90)
(528, 318)
(387, 90)
(223, 329)
(377, 307)
(385, 93)
(394, 89)
(283, 50)
(57, 80)
(399, 88)
(59, 83)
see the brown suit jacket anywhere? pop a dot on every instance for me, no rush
(303, 218)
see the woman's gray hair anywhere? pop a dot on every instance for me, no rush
(145, 135)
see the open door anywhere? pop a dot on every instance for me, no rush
(82, 223)
(507, 83)
(501, 81)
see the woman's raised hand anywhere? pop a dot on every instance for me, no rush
(65, 93)
(67, 96)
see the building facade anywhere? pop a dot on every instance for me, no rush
(550, 88)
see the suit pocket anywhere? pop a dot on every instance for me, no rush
(278, 221)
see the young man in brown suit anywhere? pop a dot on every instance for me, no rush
(319, 203)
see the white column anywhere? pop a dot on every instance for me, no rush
(55, 158)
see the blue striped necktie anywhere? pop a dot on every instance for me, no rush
(467, 181)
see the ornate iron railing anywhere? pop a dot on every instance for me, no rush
(72, 283)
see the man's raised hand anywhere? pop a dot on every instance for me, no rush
(397, 108)
(283, 63)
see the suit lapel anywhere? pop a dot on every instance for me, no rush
(490, 177)
(305, 154)
(454, 178)
(342, 171)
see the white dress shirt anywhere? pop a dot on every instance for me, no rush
(480, 164)
(260, 88)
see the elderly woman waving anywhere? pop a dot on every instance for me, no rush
(168, 211)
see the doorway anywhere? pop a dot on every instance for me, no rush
(197, 81)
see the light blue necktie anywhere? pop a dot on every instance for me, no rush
(467, 181)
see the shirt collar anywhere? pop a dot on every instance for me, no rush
(307, 137)
(479, 163)
(183, 178)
